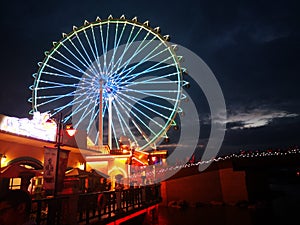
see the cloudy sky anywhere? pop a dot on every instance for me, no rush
(252, 47)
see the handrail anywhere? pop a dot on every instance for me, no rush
(96, 207)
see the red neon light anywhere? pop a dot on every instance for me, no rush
(121, 220)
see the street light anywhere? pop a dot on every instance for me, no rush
(58, 143)
(71, 131)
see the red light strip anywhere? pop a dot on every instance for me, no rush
(119, 221)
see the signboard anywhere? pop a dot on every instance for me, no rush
(62, 166)
(38, 127)
(50, 156)
(50, 166)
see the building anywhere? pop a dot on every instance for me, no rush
(27, 142)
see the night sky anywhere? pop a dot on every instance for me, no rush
(252, 47)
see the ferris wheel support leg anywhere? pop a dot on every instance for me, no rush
(109, 122)
(100, 128)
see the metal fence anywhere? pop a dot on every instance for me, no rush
(94, 208)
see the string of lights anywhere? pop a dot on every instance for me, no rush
(241, 155)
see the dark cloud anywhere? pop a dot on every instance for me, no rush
(281, 132)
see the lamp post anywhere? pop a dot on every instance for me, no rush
(58, 144)
(56, 158)
(61, 154)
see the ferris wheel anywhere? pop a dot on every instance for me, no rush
(113, 77)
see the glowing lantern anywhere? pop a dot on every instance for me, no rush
(70, 130)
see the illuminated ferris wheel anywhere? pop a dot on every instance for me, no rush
(114, 78)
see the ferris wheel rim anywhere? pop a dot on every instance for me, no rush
(89, 25)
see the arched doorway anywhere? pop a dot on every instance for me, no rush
(28, 161)
(22, 173)
(116, 171)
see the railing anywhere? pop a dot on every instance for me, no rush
(94, 208)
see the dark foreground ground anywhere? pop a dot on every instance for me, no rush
(282, 209)
(279, 212)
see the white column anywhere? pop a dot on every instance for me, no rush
(109, 121)
(100, 137)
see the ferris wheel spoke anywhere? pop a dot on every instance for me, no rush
(156, 67)
(139, 48)
(95, 57)
(88, 108)
(144, 104)
(126, 105)
(78, 101)
(103, 48)
(115, 135)
(135, 124)
(147, 58)
(111, 61)
(130, 105)
(61, 73)
(146, 93)
(117, 41)
(62, 108)
(155, 80)
(106, 47)
(88, 61)
(161, 115)
(46, 88)
(127, 46)
(84, 111)
(79, 61)
(54, 85)
(83, 60)
(94, 113)
(159, 65)
(120, 118)
(51, 99)
(123, 123)
(67, 105)
(149, 94)
(74, 66)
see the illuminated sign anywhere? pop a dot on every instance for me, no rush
(38, 127)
